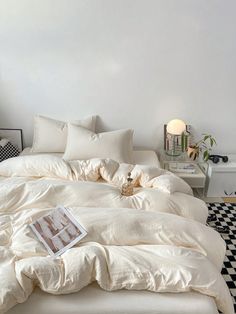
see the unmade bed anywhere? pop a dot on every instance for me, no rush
(92, 299)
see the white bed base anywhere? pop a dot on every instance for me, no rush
(93, 300)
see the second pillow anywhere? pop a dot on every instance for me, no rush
(85, 144)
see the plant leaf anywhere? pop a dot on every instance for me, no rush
(206, 155)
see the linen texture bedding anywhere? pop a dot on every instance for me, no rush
(154, 240)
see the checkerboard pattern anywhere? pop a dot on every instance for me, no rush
(8, 151)
(226, 216)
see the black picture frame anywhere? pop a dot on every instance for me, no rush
(15, 136)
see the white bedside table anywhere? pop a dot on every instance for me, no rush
(196, 180)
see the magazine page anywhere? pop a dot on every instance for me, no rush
(58, 230)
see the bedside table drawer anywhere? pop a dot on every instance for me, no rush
(221, 179)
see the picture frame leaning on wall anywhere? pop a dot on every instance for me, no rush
(15, 136)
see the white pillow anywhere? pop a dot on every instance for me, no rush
(84, 144)
(50, 135)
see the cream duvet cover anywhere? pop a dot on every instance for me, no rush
(154, 240)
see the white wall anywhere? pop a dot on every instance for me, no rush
(135, 63)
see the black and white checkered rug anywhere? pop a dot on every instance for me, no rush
(226, 216)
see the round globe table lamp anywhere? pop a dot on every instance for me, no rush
(175, 128)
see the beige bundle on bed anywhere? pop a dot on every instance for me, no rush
(154, 240)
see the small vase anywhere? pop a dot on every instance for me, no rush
(128, 188)
(193, 152)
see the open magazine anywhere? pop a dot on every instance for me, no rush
(58, 230)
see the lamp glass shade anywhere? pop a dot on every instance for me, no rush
(176, 127)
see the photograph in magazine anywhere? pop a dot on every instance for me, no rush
(58, 230)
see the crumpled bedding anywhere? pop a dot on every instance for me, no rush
(154, 240)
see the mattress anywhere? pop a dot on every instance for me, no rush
(141, 157)
(93, 300)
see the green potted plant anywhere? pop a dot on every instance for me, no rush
(203, 146)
